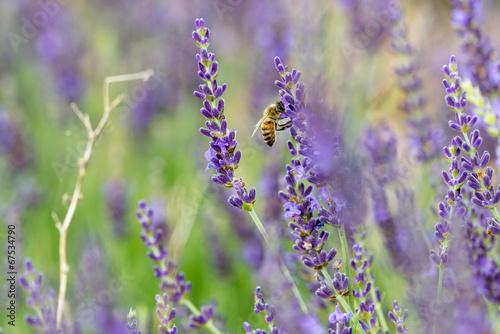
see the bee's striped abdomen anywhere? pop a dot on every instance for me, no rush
(268, 132)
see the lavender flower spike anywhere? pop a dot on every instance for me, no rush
(266, 311)
(494, 227)
(166, 315)
(466, 18)
(173, 283)
(43, 303)
(222, 155)
(399, 318)
(165, 269)
(456, 175)
(132, 322)
(340, 322)
(31, 280)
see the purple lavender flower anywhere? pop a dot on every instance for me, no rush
(93, 279)
(201, 320)
(399, 318)
(369, 22)
(485, 269)
(494, 227)
(115, 192)
(59, 47)
(381, 145)
(7, 132)
(31, 280)
(476, 173)
(173, 283)
(340, 322)
(166, 315)
(424, 137)
(369, 297)
(132, 322)
(222, 155)
(456, 176)
(165, 269)
(266, 311)
(43, 303)
(143, 111)
(310, 324)
(12, 143)
(466, 18)
(272, 36)
(307, 216)
(469, 180)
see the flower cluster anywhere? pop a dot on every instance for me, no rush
(201, 320)
(173, 283)
(222, 156)
(424, 137)
(132, 322)
(399, 318)
(476, 172)
(340, 322)
(485, 268)
(340, 283)
(115, 193)
(300, 203)
(466, 18)
(468, 169)
(381, 145)
(306, 215)
(293, 96)
(362, 288)
(31, 280)
(165, 269)
(369, 22)
(59, 46)
(44, 304)
(166, 315)
(456, 176)
(266, 311)
(12, 143)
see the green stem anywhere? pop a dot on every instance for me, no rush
(340, 298)
(355, 329)
(345, 253)
(260, 227)
(495, 213)
(210, 325)
(440, 285)
(285, 270)
(379, 311)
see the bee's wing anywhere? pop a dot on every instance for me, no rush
(259, 123)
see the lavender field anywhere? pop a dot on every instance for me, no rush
(244, 166)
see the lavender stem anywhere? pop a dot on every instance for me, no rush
(285, 270)
(495, 213)
(440, 285)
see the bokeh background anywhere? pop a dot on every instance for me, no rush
(151, 148)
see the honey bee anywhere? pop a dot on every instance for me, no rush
(271, 122)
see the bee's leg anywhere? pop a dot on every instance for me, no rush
(284, 126)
